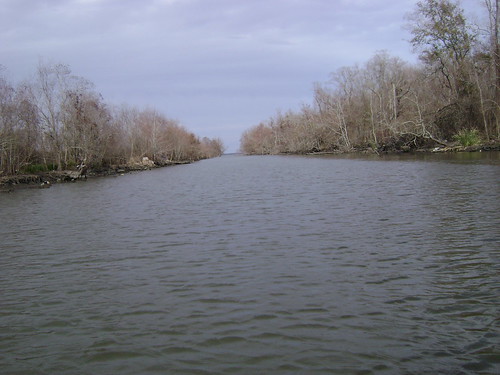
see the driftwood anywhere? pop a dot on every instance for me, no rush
(82, 171)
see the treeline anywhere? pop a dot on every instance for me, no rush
(453, 94)
(58, 121)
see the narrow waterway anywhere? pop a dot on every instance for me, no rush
(257, 265)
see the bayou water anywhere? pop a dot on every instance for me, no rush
(257, 265)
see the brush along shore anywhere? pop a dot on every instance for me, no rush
(46, 179)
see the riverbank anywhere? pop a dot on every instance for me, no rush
(396, 149)
(43, 180)
(492, 146)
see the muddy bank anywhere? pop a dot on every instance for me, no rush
(43, 180)
(396, 149)
(493, 146)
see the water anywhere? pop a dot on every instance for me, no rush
(255, 265)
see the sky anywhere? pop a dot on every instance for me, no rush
(219, 67)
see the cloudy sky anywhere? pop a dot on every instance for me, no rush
(217, 66)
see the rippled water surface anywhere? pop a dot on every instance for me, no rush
(257, 265)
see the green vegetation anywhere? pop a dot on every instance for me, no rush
(36, 168)
(468, 137)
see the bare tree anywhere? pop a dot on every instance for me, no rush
(54, 86)
(86, 130)
(258, 140)
(19, 132)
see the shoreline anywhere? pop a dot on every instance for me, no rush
(486, 147)
(43, 180)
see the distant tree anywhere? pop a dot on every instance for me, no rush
(444, 40)
(55, 87)
(28, 124)
(125, 119)
(211, 148)
(332, 110)
(493, 52)
(19, 131)
(8, 141)
(179, 143)
(387, 83)
(258, 140)
(86, 128)
(349, 83)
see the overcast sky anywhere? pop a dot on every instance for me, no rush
(217, 66)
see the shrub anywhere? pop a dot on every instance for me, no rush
(468, 137)
(35, 168)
